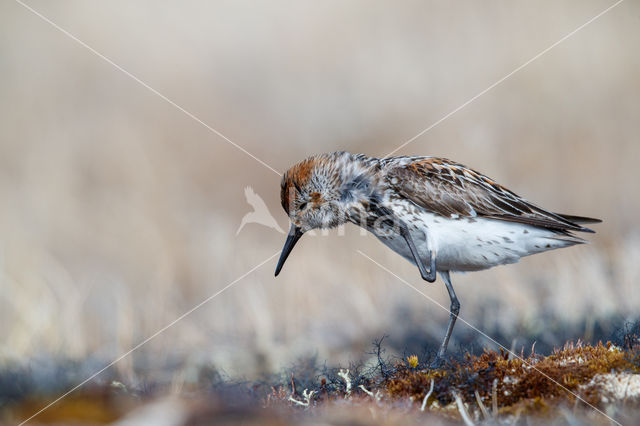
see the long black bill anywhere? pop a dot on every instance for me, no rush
(294, 235)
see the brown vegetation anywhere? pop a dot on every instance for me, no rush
(529, 385)
(585, 382)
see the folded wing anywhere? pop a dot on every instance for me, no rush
(453, 190)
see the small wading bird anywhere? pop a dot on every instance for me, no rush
(439, 215)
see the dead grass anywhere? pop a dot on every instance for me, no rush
(121, 213)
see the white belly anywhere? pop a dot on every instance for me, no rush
(472, 244)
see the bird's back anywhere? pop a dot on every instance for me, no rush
(467, 219)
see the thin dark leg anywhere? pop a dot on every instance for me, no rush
(391, 219)
(453, 312)
(429, 275)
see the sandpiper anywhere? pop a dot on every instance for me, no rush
(438, 214)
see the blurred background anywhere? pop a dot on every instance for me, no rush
(120, 212)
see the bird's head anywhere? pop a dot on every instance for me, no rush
(310, 194)
(313, 195)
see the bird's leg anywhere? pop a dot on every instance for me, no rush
(429, 275)
(392, 220)
(454, 309)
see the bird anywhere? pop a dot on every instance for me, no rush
(438, 214)
(260, 213)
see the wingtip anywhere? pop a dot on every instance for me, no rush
(579, 219)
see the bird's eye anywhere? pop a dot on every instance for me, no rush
(302, 206)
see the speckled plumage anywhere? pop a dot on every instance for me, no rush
(432, 211)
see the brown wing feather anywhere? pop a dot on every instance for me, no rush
(579, 219)
(449, 189)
